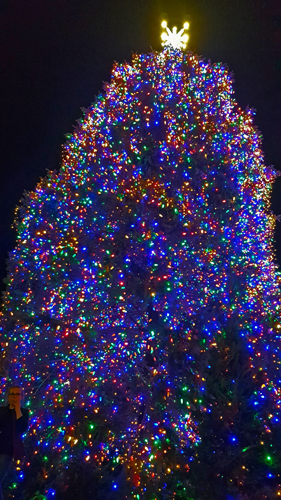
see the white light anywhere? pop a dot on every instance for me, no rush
(177, 40)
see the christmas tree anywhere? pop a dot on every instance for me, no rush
(142, 304)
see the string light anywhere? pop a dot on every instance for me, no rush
(153, 237)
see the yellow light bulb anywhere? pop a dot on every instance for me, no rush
(186, 26)
(164, 24)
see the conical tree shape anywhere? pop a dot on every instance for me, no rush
(142, 305)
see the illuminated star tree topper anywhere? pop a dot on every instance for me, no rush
(176, 39)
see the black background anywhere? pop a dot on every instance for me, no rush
(56, 54)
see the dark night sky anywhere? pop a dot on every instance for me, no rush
(56, 54)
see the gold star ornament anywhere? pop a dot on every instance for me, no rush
(174, 38)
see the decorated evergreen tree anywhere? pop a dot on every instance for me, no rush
(142, 303)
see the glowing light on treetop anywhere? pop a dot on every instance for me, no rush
(174, 38)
